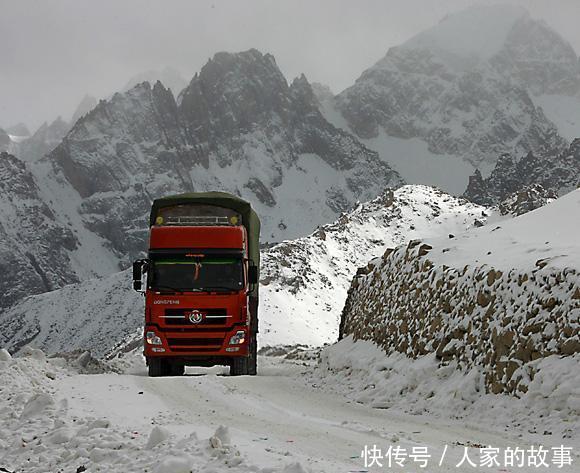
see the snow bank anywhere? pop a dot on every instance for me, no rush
(548, 234)
(40, 435)
(362, 371)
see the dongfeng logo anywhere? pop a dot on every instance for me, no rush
(195, 316)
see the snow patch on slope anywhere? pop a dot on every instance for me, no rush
(549, 233)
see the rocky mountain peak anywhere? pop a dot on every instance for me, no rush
(232, 93)
(537, 57)
(85, 106)
(238, 127)
(170, 77)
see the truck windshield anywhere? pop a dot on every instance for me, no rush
(204, 274)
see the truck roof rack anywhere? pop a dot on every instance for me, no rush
(201, 221)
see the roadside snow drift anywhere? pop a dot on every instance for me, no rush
(41, 433)
(549, 407)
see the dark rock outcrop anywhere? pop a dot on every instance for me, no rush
(557, 172)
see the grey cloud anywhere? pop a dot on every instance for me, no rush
(53, 53)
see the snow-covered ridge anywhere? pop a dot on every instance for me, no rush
(304, 282)
(548, 235)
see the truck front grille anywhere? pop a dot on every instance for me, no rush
(209, 317)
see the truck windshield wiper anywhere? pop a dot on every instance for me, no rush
(218, 288)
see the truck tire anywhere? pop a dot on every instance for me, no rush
(253, 358)
(176, 369)
(239, 366)
(157, 367)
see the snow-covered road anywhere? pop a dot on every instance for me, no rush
(279, 419)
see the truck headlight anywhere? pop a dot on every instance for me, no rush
(153, 339)
(238, 338)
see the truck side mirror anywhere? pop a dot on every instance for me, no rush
(253, 274)
(138, 275)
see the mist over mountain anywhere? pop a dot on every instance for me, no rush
(20, 129)
(459, 95)
(168, 76)
(85, 106)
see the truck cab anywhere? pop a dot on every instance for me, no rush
(201, 284)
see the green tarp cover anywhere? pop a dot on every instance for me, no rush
(250, 219)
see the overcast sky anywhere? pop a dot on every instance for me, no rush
(54, 52)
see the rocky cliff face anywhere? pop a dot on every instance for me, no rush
(500, 312)
(557, 172)
(237, 127)
(525, 200)
(34, 247)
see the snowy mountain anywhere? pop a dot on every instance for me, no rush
(34, 247)
(48, 136)
(237, 127)
(558, 172)
(308, 276)
(462, 93)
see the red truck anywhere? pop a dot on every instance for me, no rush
(201, 284)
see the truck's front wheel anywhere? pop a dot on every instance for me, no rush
(246, 365)
(157, 367)
(253, 358)
(239, 366)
